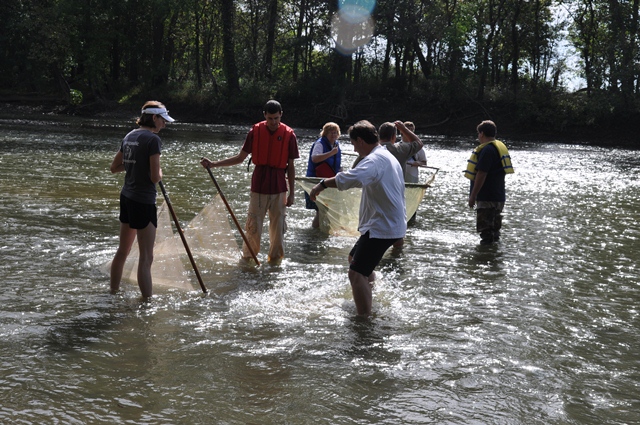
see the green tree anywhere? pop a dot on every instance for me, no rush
(228, 42)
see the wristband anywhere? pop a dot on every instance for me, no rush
(322, 183)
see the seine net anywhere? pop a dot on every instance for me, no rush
(210, 240)
(339, 209)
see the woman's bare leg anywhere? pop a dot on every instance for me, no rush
(146, 240)
(127, 236)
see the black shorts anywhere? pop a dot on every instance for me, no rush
(367, 253)
(136, 214)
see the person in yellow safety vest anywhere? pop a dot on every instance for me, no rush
(486, 168)
(273, 147)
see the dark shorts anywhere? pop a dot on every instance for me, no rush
(136, 214)
(367, 253)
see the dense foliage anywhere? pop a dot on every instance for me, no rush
(448, 58)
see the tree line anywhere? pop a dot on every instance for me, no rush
(446, 56)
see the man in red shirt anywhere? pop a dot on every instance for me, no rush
(273, 147)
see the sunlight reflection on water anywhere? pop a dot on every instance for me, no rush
(541, 329)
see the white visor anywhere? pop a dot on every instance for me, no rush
(159, 111)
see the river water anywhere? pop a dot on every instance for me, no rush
(542, 329)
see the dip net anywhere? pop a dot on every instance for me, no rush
(210, 239)
(339, 209)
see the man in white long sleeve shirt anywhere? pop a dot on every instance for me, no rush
(382, 218)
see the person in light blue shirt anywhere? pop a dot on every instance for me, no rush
(382, 217)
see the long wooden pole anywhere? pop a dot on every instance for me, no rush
(233, 216)
(184, 241)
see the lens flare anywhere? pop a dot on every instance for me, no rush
(356, 11)
(353, 26)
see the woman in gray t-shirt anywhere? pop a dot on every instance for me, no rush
(139, 158)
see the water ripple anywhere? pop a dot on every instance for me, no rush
(541, 329)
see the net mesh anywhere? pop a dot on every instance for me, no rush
(210, 234)
(339, 209)
(209, 237)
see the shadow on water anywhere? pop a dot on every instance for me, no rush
(309, 239)
(491, 256)
(84, 329)
(368, 341)
(484, 258)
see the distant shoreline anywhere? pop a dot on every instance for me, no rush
(427, 122)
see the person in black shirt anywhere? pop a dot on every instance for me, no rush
(487, 167)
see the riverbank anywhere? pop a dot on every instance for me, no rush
(429, 120)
